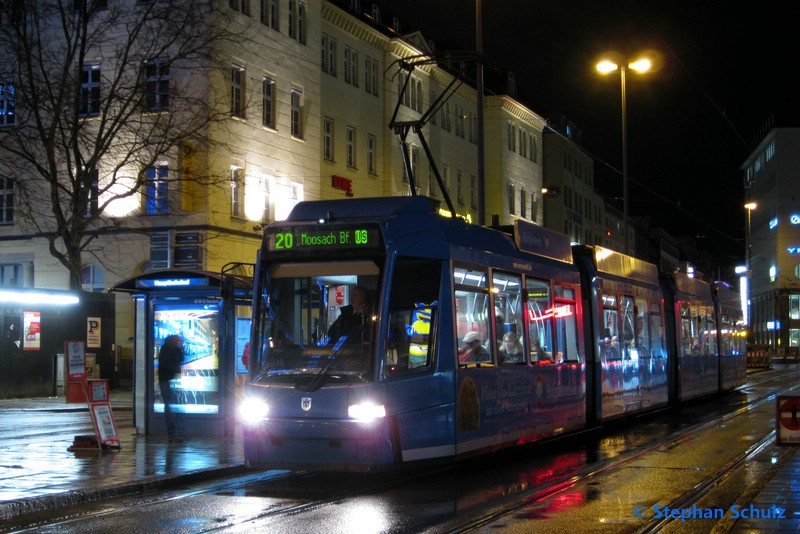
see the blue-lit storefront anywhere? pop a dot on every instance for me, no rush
(212, 313)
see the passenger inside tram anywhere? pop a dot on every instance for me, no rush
(511, 349)
(471, 350)
(537, 352)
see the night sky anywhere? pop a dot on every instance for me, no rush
(723, 70)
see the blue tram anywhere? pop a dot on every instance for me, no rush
(386, 335)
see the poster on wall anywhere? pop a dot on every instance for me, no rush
(93, 332)
(32, 322)
(197, 322)
(76, 361)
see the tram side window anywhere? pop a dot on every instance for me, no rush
(642, 342)
(688, 330)
(626, 313)
(540, 320)
(413, 304)
(608, 342)
(656, 332)
(472, 316)
(726, 335)
(708, 340)
(566, 325)
(509, 334)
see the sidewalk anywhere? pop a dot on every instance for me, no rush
(38, 472)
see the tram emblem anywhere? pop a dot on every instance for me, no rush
(305, 403)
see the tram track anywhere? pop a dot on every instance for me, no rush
(277, 500)
(539, 495)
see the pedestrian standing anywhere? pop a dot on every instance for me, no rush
(170, 358)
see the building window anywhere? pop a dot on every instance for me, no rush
(794, 307)
(371, 76)
(274, 18)
(156, 88)
(346, 64)
(350, 66)
(473, 192)
(372, 163)
(324, 52)
(297, 113)
(406, 82)
(7, 117)
(472, 129)
(157, 190)
(512, 197)
(92, 279)
(512, 137)
(327, 138)
(460, 186)
(413, 154)
(351, 147)
(237, 191)
(6, 200)
(237, 91)
(460, 122)
(293, 19)
(297, 21)
(354, 64)
(431, 179)
(10, 275)
(90, 91)
(268, 102)
(301, 23)
(331, 56)
(242, 6)
(89, 183)
(523, 206)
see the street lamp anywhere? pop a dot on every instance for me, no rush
(750, 206)
(607, 67)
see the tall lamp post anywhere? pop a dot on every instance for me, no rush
(750, 206)
(605, 67)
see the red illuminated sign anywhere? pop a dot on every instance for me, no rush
(343, 184)
(558, 312)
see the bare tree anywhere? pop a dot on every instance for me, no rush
(101, 91)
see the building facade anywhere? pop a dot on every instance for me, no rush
(772, 187)
(572, 204)
(302, 93)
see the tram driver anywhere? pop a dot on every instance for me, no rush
(352, 321)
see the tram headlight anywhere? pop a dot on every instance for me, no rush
(253, 410)
(366, 411)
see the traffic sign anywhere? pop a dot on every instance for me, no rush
(787, 420)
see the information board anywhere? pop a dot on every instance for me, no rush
(102, 416)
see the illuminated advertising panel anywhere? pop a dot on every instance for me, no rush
(196, 320)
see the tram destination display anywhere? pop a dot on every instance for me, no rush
(322, 239)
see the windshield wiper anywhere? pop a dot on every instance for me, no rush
(338, 348)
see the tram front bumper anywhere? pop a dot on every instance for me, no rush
(319, 445)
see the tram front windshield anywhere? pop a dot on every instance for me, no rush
(317, 323)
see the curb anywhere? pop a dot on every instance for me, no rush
(12, 509)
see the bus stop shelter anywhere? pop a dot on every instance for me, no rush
(211, 311)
